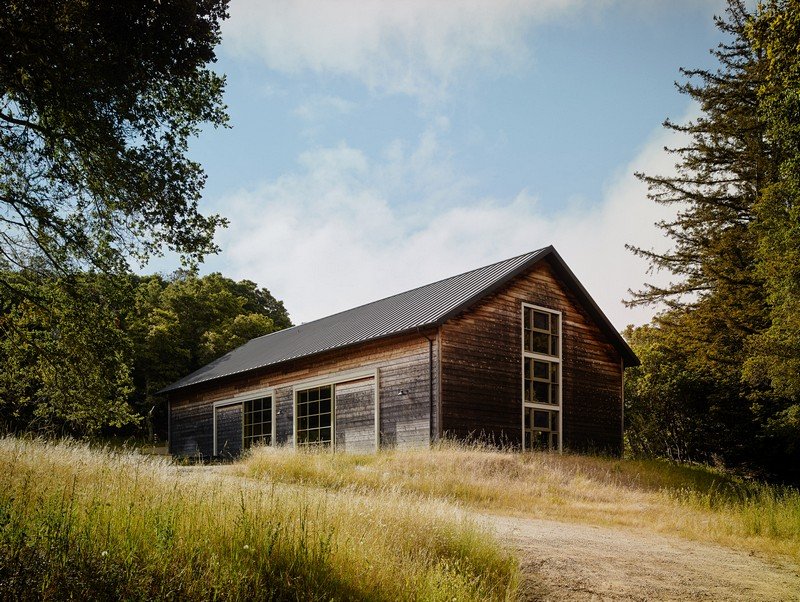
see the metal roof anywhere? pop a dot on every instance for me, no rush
(428, 305)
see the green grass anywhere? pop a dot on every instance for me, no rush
(96, 524)
(696, 502)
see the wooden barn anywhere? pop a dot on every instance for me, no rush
(515, 352)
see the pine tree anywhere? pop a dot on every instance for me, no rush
(720, 299)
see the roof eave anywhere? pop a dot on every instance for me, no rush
(406, 331)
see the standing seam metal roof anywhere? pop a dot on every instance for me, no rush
(427, 305)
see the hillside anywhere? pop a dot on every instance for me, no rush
(449, 523)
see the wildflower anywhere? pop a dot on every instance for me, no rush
(246, 547)
(104, 553)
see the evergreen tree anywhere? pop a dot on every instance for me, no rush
(774, 360)
(717, 300)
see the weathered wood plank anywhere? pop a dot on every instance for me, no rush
(482, 367)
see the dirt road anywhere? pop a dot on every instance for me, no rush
(563, 561)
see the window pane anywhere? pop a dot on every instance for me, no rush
(541, 392)
(553, 345)
(324, 406)
(325, 419)
(554, 324)
(541, 320)
(541, 439)
(541, 370)
(540, 343)
(325, 435)
(541, 419)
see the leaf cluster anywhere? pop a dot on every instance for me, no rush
(730, 331)
(98, 101)
(88, 354)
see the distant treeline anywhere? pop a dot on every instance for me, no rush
(86, 354)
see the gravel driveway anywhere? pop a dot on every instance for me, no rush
(563, 561)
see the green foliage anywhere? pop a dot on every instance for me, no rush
(180, 324)
(65, 363)
(92, 351)
(98, 103)
(731, 333)
(667, 409)
(775, 354)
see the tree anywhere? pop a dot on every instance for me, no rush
(717, 299)
(774, 359)
(776, 350)
(179, 324)
(76, 370)
(732, 307)
(65, 368)
(98, 103)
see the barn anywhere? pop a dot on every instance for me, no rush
(516, 352)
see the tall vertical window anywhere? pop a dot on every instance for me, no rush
(541, 378)
(257, 417)
(315, 416)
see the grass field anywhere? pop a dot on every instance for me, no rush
(77, 523)
(696, 502)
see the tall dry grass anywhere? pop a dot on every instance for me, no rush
(692, 501)
(95, 524)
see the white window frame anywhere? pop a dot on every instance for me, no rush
(333, 379)
(240, 399)
(546, 358)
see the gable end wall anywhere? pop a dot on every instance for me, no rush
(481, 371)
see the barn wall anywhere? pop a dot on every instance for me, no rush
(482, 367)
(355, 416)
(405, 404)
(229, 430)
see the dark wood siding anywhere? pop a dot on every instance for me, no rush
(355, 416)
(403, 364)
(229, 430)
(482, 368)
(191, 429)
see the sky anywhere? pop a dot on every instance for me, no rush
(378, 146)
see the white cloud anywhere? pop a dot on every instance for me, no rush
(414, 46)
(332, 235)
(321, 107)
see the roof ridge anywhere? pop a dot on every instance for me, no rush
(405, 292)
(426, 305)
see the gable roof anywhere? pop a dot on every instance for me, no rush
(425, 306)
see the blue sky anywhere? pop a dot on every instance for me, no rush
(378, 146)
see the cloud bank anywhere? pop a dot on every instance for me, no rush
(414, 47)
(332, 235)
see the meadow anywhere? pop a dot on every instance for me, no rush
(693, 501)
(103, 524)
(77, 522)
